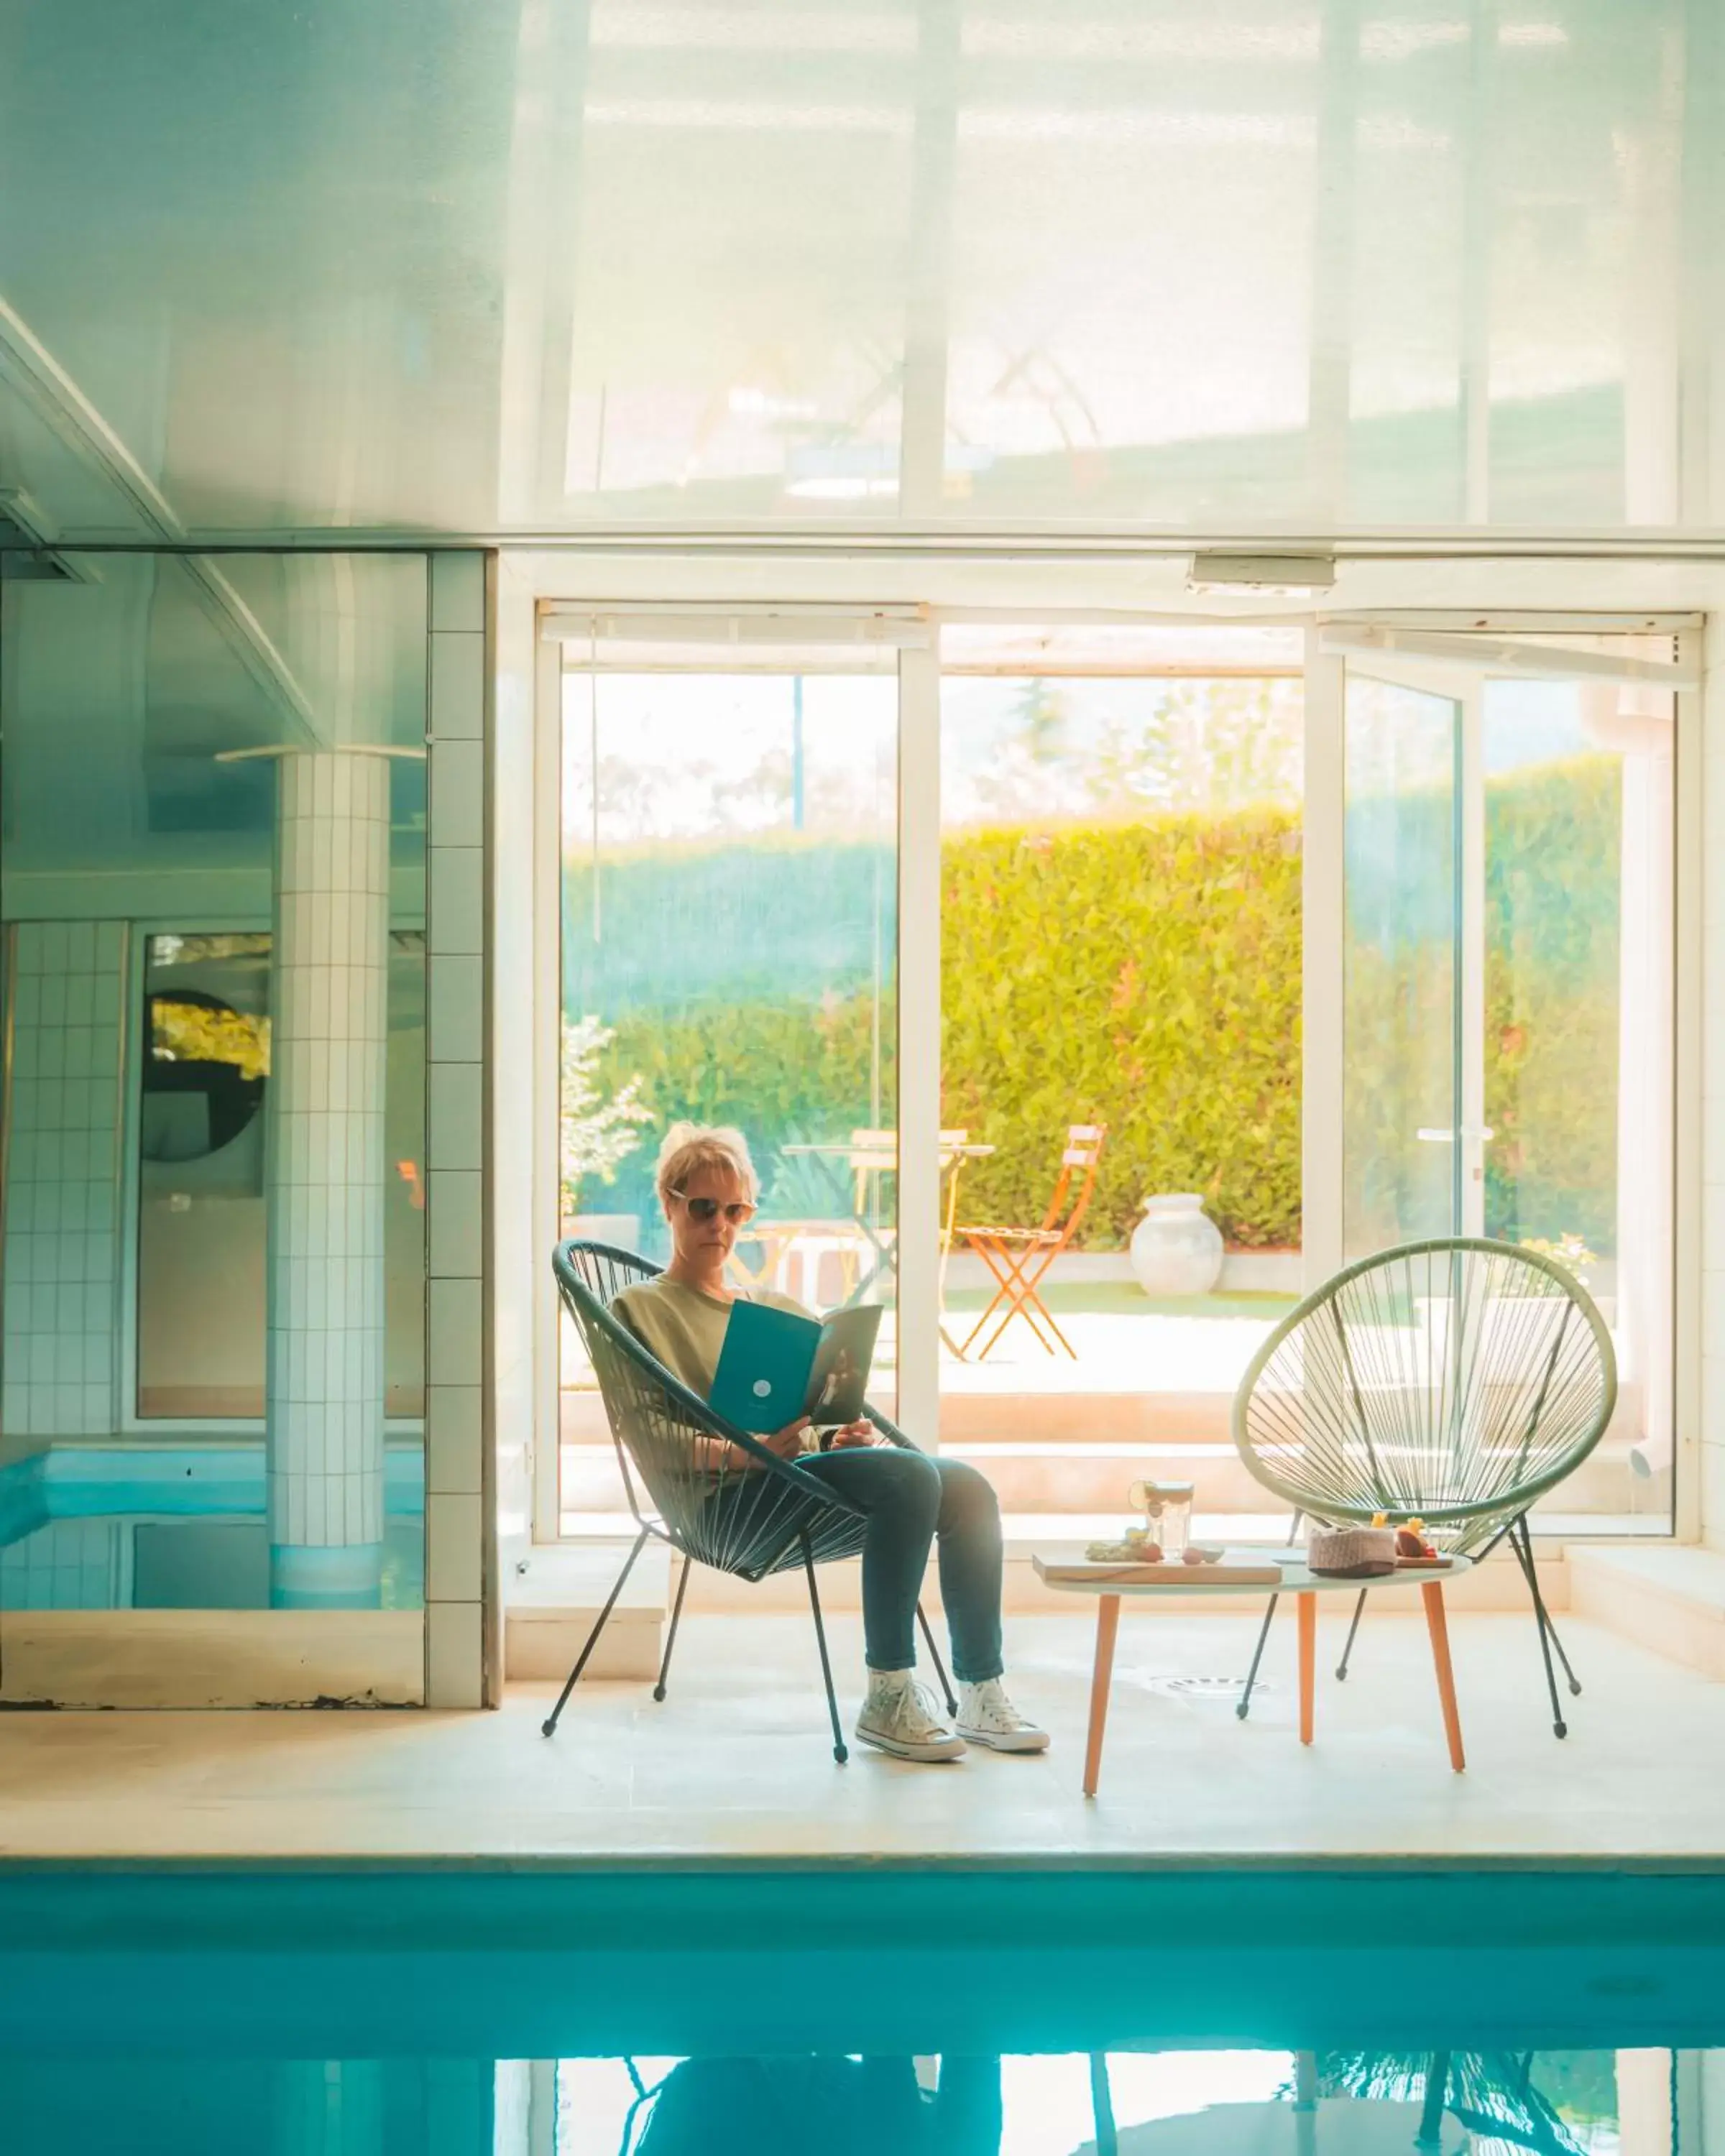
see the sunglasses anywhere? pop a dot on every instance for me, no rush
(708, 1208)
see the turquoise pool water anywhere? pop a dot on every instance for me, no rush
(1170, 2014)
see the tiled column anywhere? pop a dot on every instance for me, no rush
(457, 1528)
(58, 1354)
(325, 1373)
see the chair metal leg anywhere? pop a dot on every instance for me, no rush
(1342, 1666)
(1522, 1543)
(840, 1752)
(1102, 2106)
(670, 1637)
(1479, 1556)
(1551, 1629)
(1431, 2108)
(1036, 1313)
(1244, 1707)
(940, 1667)
(985, 1252)
(1557, 1645)
(548, 1726)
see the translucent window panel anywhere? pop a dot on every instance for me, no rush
(203, 1065)
(1105, 234)
(730, 956)
(739, 311)
(1120, 945)
(1400, 1105)
(1583, 269)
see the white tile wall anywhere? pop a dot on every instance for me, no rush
(58, 1357)
(456, 1528)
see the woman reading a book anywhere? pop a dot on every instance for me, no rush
(708, 1188)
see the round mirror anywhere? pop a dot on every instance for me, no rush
(204, 1068)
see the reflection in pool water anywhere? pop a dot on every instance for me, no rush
(1120, 2103)
(141, 1561)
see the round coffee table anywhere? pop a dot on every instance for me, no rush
(1106, 1583)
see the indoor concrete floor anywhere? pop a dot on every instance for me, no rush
(736, 1764)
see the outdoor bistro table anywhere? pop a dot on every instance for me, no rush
(835, 1161)
(1106, 1581)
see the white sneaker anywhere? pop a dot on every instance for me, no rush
(986, 1716)
(901, 1716)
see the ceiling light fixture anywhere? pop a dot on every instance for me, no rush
(1261, 576)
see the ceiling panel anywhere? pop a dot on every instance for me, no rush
(486, 267)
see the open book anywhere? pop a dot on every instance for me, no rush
(775, 1366)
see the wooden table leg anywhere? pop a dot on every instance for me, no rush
(1437, 1624)
(1308, 1662)
(1108, 1624)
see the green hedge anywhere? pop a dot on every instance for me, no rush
(1147, 975)
(1553, 901)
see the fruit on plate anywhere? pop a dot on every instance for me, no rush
(1410, 1543)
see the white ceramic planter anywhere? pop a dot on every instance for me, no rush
(1176, 1248)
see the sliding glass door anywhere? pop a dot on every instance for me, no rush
(1068, 869)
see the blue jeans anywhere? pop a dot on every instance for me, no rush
(911, 1499)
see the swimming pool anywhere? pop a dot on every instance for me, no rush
(824, 2013)
(165, 1527)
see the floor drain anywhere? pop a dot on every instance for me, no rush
(1227, 1688)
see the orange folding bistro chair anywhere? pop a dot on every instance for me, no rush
(1020, 1258)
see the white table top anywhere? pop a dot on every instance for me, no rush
(1295, 1577)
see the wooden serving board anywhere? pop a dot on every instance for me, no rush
(1084, 1573)
(1423, 1563)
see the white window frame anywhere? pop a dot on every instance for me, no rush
(1447, 650)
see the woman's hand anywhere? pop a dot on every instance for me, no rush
(787, 1443)
(853, 1434)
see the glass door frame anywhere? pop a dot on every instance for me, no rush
(917, 1232)
(1445, 651)
(1456, 663)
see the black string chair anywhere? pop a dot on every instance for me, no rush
(1453, 1382)
(685, 1489)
